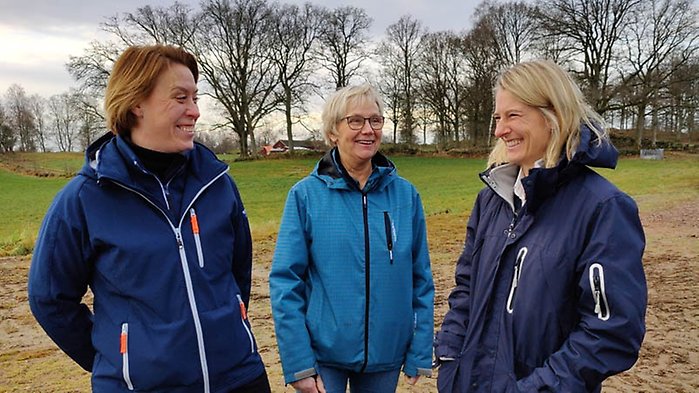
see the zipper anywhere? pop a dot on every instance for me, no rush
(389, 235)
(599, 295)
(197, 238)
(243, 318)
(367, 267)
(519, 261)
(162, 188)
(185, 271)
(124, 350)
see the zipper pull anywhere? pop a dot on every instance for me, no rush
(178, 236)
(598, 304)
(194, 221)
(389, 235)
(123, 339)
(243, 311)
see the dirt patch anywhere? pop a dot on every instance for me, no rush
(30, 362)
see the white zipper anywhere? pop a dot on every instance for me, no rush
(599, 296)
(197, 238)
(243, 317)
(124, 348)
(519, 262)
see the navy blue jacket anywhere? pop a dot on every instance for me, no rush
(552, 299)
(169, 266)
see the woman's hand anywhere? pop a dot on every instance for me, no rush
(411, 380)
(312, 384)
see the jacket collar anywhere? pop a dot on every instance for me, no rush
(333, 173)
(541, 183)
(111, 158)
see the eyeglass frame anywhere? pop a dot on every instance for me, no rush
(364, 121)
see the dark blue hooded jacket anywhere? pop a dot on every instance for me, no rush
(552, 299)
(169, 266)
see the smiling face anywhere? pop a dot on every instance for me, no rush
(358, 147)
(166, 118)
(522, 128)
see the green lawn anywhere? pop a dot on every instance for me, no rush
(445, 184)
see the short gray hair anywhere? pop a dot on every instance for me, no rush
(340, 101)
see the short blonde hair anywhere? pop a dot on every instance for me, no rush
(544, 85)
(133, 78)
(340, 101)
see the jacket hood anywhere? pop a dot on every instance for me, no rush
(593, 152)
(330, 170)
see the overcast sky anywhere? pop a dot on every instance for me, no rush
(38, 36)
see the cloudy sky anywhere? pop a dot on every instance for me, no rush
(38, 36)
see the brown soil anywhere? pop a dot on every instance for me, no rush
(30, 362)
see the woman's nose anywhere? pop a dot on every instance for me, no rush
(193, 110)
(501, 129)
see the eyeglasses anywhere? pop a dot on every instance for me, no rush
(357, 122)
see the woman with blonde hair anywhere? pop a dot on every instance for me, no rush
(550, 291)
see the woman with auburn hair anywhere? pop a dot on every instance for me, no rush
(155, 227)
(550, 292)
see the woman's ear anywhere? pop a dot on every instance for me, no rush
(137, 111)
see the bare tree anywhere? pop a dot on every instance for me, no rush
(91, 118)
(233, 46)
(589, 31)
(442, 80)
(295, 34)
(91, 70)
(513, 26)
(663, 35)
(65, 121)
(401, 49)
(390, 88)
(344, 40)
(174, 25)
(484, 60)
(20, 117)
(37, 108)
(7, 135)
(683, 91)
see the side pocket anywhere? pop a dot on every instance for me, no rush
(197, 239)
(519, 263)
(124, 349)
(598, 292)
(243, 318)
(389, 235)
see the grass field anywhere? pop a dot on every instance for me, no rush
(667, 193)
(447, 185)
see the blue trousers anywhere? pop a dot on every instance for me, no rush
(335, 380)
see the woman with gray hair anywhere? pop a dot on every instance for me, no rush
(550, 292)
(351, 286)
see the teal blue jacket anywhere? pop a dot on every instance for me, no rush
(351, 285)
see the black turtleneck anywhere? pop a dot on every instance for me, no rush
(163, 165)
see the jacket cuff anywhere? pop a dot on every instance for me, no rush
(447, 345)
(297, 376)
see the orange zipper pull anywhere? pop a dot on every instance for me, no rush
(243, 311)
(195, 223)
(122, 340)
